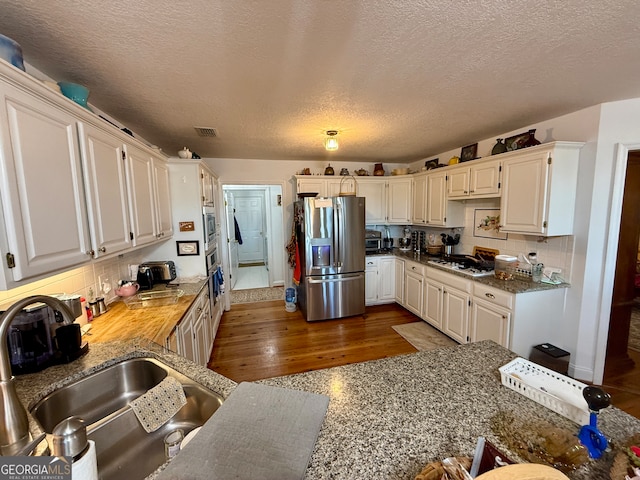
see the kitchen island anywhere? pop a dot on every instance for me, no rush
(386, 418)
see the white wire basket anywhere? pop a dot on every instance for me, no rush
(557, 392)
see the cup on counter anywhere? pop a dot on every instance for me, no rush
(536, 272)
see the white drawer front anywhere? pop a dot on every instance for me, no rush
(493, 295)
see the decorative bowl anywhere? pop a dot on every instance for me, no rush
(11, 51)
(75, 92)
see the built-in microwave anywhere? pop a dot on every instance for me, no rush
(209, 219)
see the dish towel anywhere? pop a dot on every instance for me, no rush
(159, 404)
(259, 432)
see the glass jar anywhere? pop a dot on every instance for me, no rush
(505, 267)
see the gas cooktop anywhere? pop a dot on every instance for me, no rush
(462, 266)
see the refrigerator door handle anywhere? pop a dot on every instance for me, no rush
(337, 235)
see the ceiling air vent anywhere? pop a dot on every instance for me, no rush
(206, 132)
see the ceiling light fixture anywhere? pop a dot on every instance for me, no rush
(331, 142)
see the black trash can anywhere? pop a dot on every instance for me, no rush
(551, 357)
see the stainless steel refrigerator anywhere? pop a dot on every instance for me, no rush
(331, 245)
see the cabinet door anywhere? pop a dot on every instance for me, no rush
(524, 193)
(312, 185)
(455, 314)
(371, 281)
(106, 186)
(419, 204)
(375, 194)
(207, 188)
(186, 343)
(458, 183)
(387, 279)
(141, 196)
(436, 199)
(485, 180)
(42, 188)
(340, 185)
(164, 223)
(200, 340)
(489, 322)
(399, 279)
(433, 303)
(413, 292)
(399, 201)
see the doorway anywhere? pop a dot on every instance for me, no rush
(254, 226)
(622, 362)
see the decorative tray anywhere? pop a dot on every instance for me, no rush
(158, 298)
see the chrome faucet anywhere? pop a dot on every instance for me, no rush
(14, 423)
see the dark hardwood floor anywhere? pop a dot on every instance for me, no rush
(262, 340)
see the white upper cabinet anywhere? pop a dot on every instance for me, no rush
(73, 187)
(141, 196)
(44, 222)
(539, 189)
(162, 189)
(375, 205)
(478, 180)
(208, 181)
(430, 204)
(105, 184)
(311, 184)
(399, 196)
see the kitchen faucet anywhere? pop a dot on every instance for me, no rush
(14, 423)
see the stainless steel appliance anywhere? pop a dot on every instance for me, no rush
(145, 277)
(373, 241)
(331, 239)
(39, 336)
(209, 225)
(163, 271)
(465, 264)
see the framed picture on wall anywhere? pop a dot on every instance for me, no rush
(486, 223)
(188, 248)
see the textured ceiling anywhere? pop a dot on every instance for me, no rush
(400, 80)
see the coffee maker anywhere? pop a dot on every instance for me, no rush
(38, 337)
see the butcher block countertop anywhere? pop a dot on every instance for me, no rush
(121, 323)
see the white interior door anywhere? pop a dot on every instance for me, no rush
(249, 212)
(232, 243)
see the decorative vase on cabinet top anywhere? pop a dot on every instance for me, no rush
(329, 170)
(531, 141)
(378, 170)
(185, 153)
(499, 147)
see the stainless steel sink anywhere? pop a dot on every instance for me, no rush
(123, 447)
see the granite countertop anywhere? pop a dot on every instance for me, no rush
(387, 418)
(121, 323)
(512, 286)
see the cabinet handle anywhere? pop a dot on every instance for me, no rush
(369, 263)
(465, 191)
(489, 295)
(91, 253)
(471, 191)
(102, 249)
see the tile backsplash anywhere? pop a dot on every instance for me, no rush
(80, 281)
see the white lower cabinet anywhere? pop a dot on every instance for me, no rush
(380, 280)
(399, 280)
(489, 322)
(447, 302)
(193, 336)
(413, 287)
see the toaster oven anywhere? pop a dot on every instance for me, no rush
(163, 271)
(372, 241)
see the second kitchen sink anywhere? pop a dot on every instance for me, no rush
(124, 449)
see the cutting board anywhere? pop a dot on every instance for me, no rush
(487, 253)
